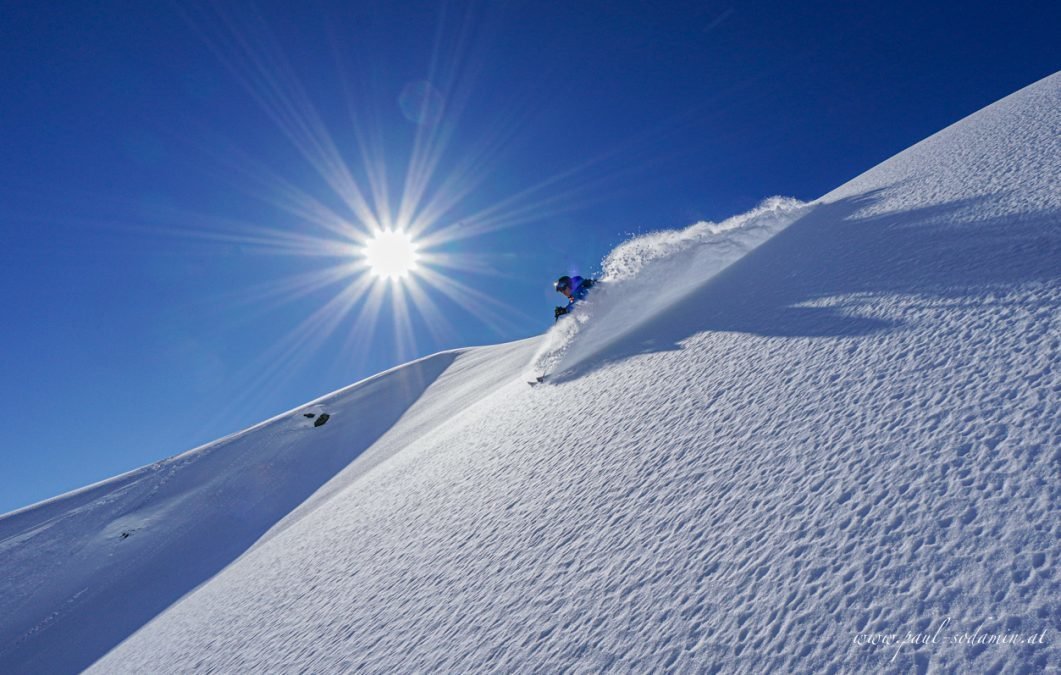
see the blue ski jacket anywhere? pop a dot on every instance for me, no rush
(580, 289)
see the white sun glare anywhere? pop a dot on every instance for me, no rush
(391, 254)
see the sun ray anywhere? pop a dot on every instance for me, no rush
(278, 191)
(405, 338)
(454, 73)
(252, 237)
(364, 324)
(462, 179)
(259, 66)
(281, 360)
(313, 330)
(370, 142)
(487, 309)
(479, 264)
(276, 293)
(436, 321)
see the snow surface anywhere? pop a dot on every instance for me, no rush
(842, 419)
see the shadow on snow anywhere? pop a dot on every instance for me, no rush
(833, 254)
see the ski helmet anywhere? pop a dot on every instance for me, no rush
(562, 284)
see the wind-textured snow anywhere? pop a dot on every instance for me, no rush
(849, 430)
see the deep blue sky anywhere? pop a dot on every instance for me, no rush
(141, 311)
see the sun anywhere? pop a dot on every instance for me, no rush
(391, 254)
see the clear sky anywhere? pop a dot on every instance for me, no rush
(186, 191)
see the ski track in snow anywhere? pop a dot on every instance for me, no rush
(851, 427)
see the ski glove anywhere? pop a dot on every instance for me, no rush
(559, 312)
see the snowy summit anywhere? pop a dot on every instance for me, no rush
(832, 446)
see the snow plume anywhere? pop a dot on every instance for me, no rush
(744, 232)
(645, 275)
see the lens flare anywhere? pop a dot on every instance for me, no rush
(391, 254)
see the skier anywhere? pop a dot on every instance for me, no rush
(575, 289)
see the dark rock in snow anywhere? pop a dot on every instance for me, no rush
(309, 415)
(321, 420)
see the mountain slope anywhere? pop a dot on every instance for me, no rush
(87, 569)
(849, 427)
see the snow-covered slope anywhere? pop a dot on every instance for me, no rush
(85, 570)
(844, 422)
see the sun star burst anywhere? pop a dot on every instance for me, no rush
(391, 254)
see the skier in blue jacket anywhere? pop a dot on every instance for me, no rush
(575, 289)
